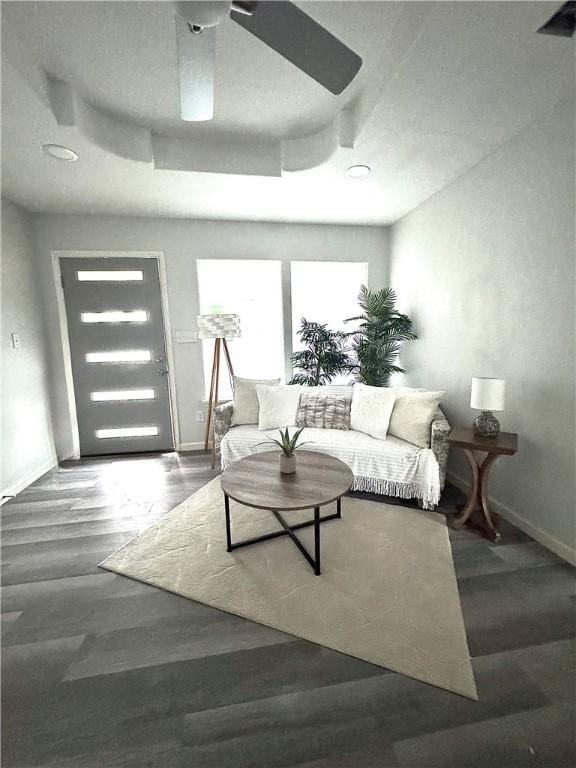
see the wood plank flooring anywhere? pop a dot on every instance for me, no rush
(103, 672)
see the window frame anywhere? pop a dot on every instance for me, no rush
(286, 289)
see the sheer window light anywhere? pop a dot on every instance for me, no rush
(253, 290)
(326, 292)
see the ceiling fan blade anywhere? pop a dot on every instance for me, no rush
(196, 56)
(562, 23)
(301, 40)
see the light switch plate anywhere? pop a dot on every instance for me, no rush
(16, 340)
(186, 337)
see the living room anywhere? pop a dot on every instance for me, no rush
(429, 620)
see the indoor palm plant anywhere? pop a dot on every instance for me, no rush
(376, 342)
(288, 446)
(326, 355)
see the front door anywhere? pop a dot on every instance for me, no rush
(118, 350)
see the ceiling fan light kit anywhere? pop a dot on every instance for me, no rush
(282, 26)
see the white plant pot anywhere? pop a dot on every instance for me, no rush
(287, 464)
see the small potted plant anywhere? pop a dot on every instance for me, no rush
(288, 447)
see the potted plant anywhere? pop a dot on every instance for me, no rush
(376, 342)
(325, 355)
(288, 446)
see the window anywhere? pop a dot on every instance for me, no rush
(109, 276)
(105, 434)
(120, 356)
(121, 395)
(326, 292)
(253, 290)
(135, 316)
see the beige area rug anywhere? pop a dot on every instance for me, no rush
(387, 593)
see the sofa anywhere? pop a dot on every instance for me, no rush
(391, 467)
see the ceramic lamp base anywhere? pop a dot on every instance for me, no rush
(486, 425)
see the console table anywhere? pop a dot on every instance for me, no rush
(505, 444)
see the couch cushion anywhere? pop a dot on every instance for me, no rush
(278, 405)
(318, 409)
(371, 409)
(246, 400)
(412, 415)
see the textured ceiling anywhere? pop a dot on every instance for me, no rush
(443, 84)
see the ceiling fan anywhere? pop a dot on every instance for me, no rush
(280, 25)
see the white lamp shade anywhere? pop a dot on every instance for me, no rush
(487, 394)
(218, 326)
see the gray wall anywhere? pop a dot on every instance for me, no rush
(486, 270)
(26, 445)
(183, 242)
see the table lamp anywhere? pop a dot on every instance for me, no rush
(487, 395)
(218, 327)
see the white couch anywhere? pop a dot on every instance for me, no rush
(391, 467)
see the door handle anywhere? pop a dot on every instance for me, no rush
(163, 372)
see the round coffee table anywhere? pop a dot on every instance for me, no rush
(256, 481)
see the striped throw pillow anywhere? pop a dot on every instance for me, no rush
(324, 411)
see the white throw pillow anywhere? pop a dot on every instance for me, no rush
(412, 415)
(278, 406)
(246, 400)
(371, 410)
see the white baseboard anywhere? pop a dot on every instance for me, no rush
(550, 542)
(191, 446)
(24, 482)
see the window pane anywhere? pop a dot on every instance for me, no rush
(122, 394)
(252, 290)
(126, 432)
(326, 292)
(120, 356)
(136, 316)
(112, 275)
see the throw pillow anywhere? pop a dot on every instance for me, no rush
(278, 406)
(412, 415)
(323, 411)
(245, 409)
(371, 410)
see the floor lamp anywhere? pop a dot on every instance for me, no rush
(219, 328)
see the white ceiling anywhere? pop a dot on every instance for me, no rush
(443, 84)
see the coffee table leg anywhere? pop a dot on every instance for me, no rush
(317, 541)
(339, 507)
(227, 513)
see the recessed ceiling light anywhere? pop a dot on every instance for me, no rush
(60, 153)
(358, 171)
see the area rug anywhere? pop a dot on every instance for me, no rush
(387, 593)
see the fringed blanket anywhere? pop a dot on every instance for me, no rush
(390, 467)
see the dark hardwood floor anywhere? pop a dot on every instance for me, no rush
(103, 672)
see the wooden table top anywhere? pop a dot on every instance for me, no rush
(256, 481)
(465, 437)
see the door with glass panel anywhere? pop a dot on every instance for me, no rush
(118, 351)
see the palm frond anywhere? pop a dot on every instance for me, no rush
(377, 339)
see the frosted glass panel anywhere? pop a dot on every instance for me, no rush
(120, 356)
(126, 432)
(122, 395)
(253, 290)
(137, 316)
(111, 275)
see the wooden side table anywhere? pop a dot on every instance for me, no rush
(505, 444)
